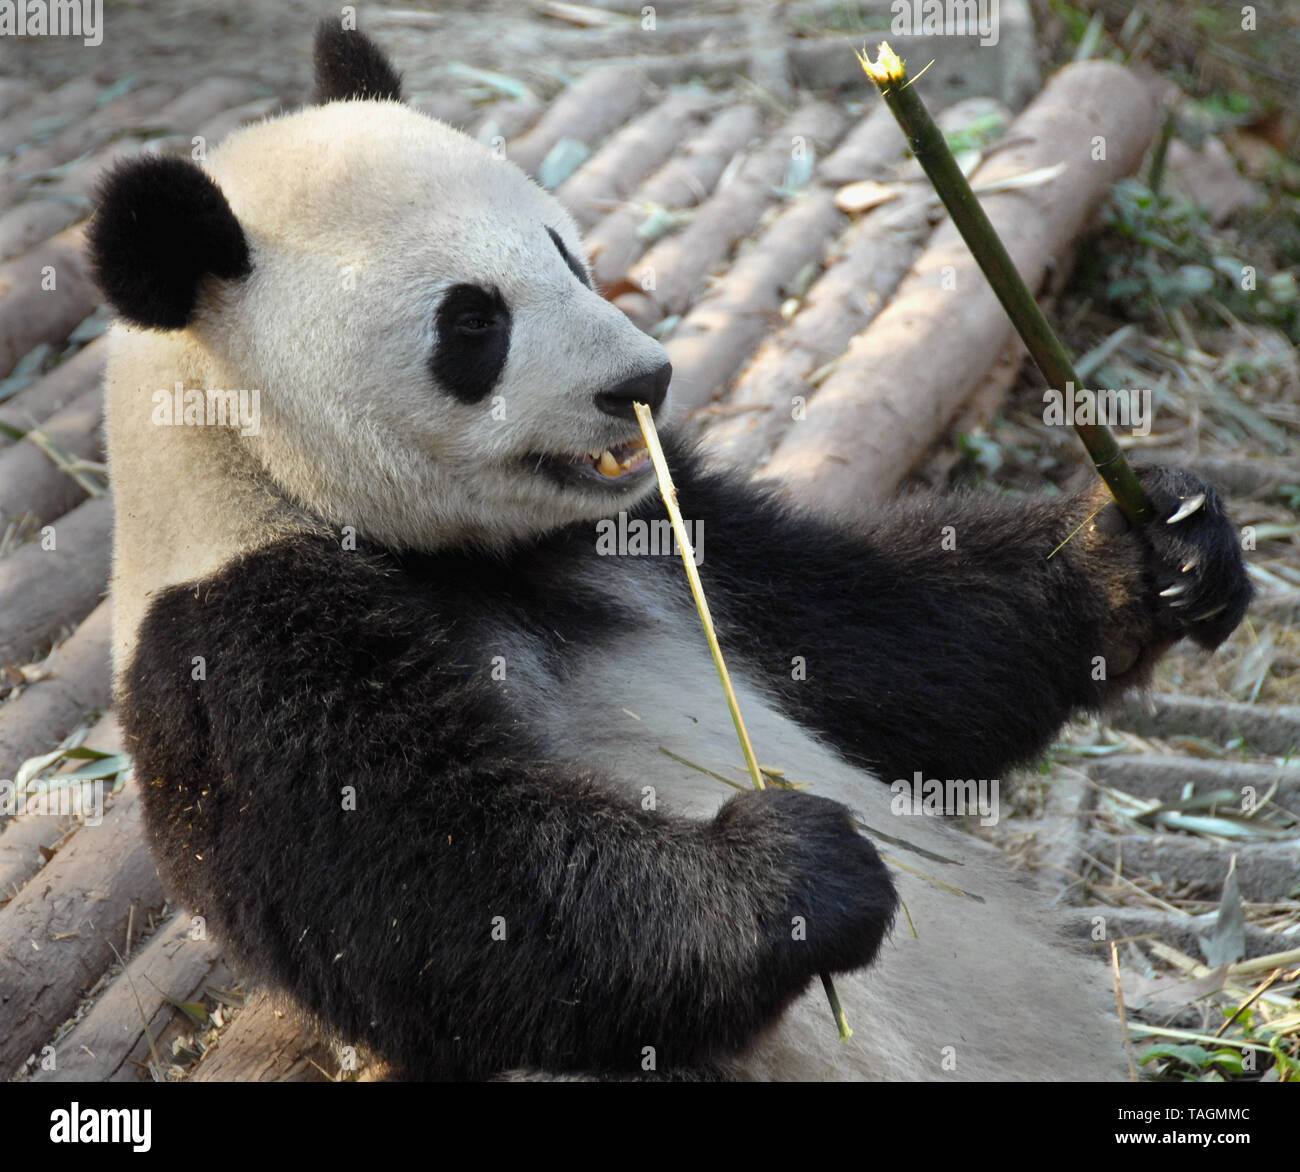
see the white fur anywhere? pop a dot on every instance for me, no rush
(358, 216)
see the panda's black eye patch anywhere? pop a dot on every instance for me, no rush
(574, 267)
(471, 343)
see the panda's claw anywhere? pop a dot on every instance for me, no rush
(1174, 591)
(1187, 508)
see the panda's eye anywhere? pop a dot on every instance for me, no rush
(471, 328)
(473, 324)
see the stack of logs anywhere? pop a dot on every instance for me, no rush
(821, 350)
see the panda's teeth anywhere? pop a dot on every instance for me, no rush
(608, 465)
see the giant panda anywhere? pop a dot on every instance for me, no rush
(399, 727)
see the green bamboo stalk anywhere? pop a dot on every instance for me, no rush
(668, 491)
(927, 142)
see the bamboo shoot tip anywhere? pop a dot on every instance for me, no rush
(887, 67)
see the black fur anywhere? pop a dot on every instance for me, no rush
(162, 226)
(471, 341)
(329, 669)
(650, 388)
(575, 266)
(625, 929)
(958, 662)
(349, 65)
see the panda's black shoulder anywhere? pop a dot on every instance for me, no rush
(291, 597)
(328, 621)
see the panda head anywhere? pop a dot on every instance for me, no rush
(416, 315)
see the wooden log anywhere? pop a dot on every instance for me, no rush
(25, 844)
(267, 1044)
(27, 840)
(45, 590)
(1266, 872)
(85, 135)
(722, 329)
(935, 466)
(1162, 776)
(589, 110)
(740, 308)
(31, 311)
(506, 119)
(1243, 475)
(613, 172)
(32, 485)
(79, 683)
(203, 102)
(1183, 931)
(903, 378)
(135, 1008)
(455, 109)
(14, 95)
(768, 66)
(66, 383)
(1273, 729)
(874, 143)
(687, 179)
(176, 1026)
(72, 99)
(57, 936)
(69, 200)
(873, 258)
(25, 226)
(671, 272)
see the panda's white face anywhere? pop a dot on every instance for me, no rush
(432, 363)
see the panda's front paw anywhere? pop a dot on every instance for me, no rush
(1198, 576)
(839, 899)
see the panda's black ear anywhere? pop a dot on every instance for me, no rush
(350, 65)
(161, 226)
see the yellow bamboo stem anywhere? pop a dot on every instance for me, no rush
(668, 491)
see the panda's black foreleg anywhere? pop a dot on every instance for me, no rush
(571, 932)
(954, 635)
(333, 782)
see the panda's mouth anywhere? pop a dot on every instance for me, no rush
(619, 467)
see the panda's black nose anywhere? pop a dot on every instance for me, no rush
(650, 389)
